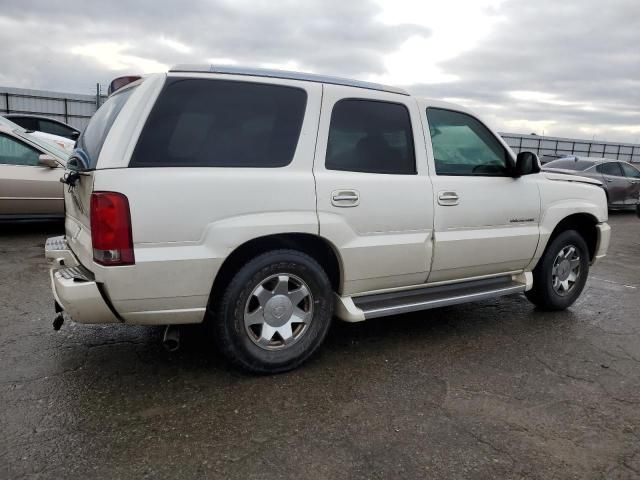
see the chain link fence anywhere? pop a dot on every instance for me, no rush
(551, 147)
(73, 109)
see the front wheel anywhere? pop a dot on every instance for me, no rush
(561, 273)
(275, 312)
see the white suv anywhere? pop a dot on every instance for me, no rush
(264, 202)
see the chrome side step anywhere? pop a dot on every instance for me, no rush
(384, 304)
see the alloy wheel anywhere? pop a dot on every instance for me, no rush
(278, 311)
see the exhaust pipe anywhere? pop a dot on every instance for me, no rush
(171, 338)
(59, 319)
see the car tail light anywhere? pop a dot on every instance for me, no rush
(111, 229)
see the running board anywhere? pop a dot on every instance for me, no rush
(383, 304)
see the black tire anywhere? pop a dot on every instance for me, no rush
(227, 314)
(543, 294)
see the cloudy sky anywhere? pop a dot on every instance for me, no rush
(554, 67)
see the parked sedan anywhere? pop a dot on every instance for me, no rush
(48, 125)
(621, 180)
(58, 140)
(30, 171)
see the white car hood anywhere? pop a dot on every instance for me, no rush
(61, 142)
(570, 178)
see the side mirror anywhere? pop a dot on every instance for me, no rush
(74, 135)
(526, 164)
(48, 161)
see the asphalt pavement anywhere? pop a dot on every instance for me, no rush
(493, 389)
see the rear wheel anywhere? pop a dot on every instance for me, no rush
(275, 312)
(561, 273)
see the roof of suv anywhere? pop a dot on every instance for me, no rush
(264, 72)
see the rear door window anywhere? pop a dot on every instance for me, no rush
(221, 123)
(611, 168)
(370, 136)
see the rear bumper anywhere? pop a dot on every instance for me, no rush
(74, 287)
(604, 236)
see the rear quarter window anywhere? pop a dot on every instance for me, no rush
(93, 137)
(221, 123)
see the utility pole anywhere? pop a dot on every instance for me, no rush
(97, 96)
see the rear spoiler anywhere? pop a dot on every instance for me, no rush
(117, 83)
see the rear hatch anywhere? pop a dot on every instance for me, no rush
(77, 197)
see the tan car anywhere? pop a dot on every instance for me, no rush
(30, 171)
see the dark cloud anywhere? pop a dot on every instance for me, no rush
(331, 36)
(582, 55)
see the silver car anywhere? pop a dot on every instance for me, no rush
(621, 180)
(30, 171)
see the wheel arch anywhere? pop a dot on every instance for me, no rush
(317, 247)
(584, 224)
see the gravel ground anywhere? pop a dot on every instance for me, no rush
(493, 389)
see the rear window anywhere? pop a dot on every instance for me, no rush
(94, 135)
(221, 123)
(569, 164)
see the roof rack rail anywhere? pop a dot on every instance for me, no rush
(264, 72)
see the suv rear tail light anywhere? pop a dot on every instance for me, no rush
(111, 229)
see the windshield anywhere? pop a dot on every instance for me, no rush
(570, 164)
(93, 137)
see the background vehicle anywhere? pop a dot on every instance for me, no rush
(621, 180)
(57, 140)
(550, 157)
(30, 171)
(264, 201)
(43, 124)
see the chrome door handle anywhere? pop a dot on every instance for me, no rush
(448, 198)
(345, 198)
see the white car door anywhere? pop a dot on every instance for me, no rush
(486, 221)
(374, 195)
